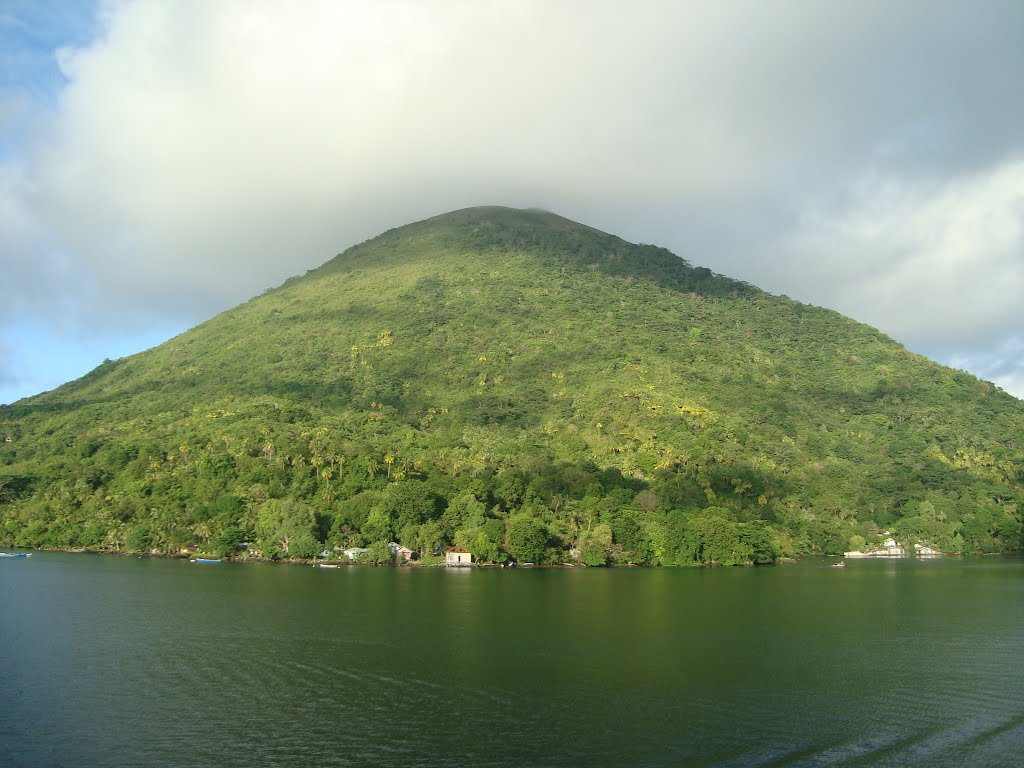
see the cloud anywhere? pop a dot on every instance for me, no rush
(847, 155)
(1003, 365)
(927, 261)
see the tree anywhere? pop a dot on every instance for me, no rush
(282, 522)
(379, 525)
(229, 540)
(465, 511)
(758, 540)
(648, 501)
(511, 487)
(352, 513)
(409, 502)
(138, 538)
(378, 553)
(526, 537)
(304, 545)
(631, 542)
(426, 539)
(594, 545)
(719, 541)
(484, 542)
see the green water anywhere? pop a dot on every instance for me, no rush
(116, 661)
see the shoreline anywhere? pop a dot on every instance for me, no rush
(344, 563)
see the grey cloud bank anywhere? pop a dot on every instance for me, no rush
(867, 157)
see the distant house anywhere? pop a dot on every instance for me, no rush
(353, 552)
(398, 551)
(890, 548)
(457, 556)
(923, 550)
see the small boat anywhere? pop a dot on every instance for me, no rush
(206, 560)
(840, 564)
(325, 565)
(15, 554)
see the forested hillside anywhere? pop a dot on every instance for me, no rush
(526, 387)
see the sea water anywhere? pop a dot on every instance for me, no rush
(122, 661)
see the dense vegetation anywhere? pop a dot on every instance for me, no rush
(528, 388)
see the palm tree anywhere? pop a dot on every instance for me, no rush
(203, 530)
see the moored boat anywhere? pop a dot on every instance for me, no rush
(15, 554)
(206, 560)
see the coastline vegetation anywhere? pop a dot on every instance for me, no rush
(527, 388)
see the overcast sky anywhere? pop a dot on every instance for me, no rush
(164, 160)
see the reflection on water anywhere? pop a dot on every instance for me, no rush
(112, 661)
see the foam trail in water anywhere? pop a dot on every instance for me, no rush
(1001, 749)
(797, 756)
(958, 739)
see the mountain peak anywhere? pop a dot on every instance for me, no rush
(494, 219)
(503, 216)
(553, 240)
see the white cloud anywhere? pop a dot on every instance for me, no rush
(933, 263)
(204, 151)
(1003, 365)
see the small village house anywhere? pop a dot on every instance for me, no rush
(457, 556)
(893, 547)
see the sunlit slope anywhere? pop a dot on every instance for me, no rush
(554, 372)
